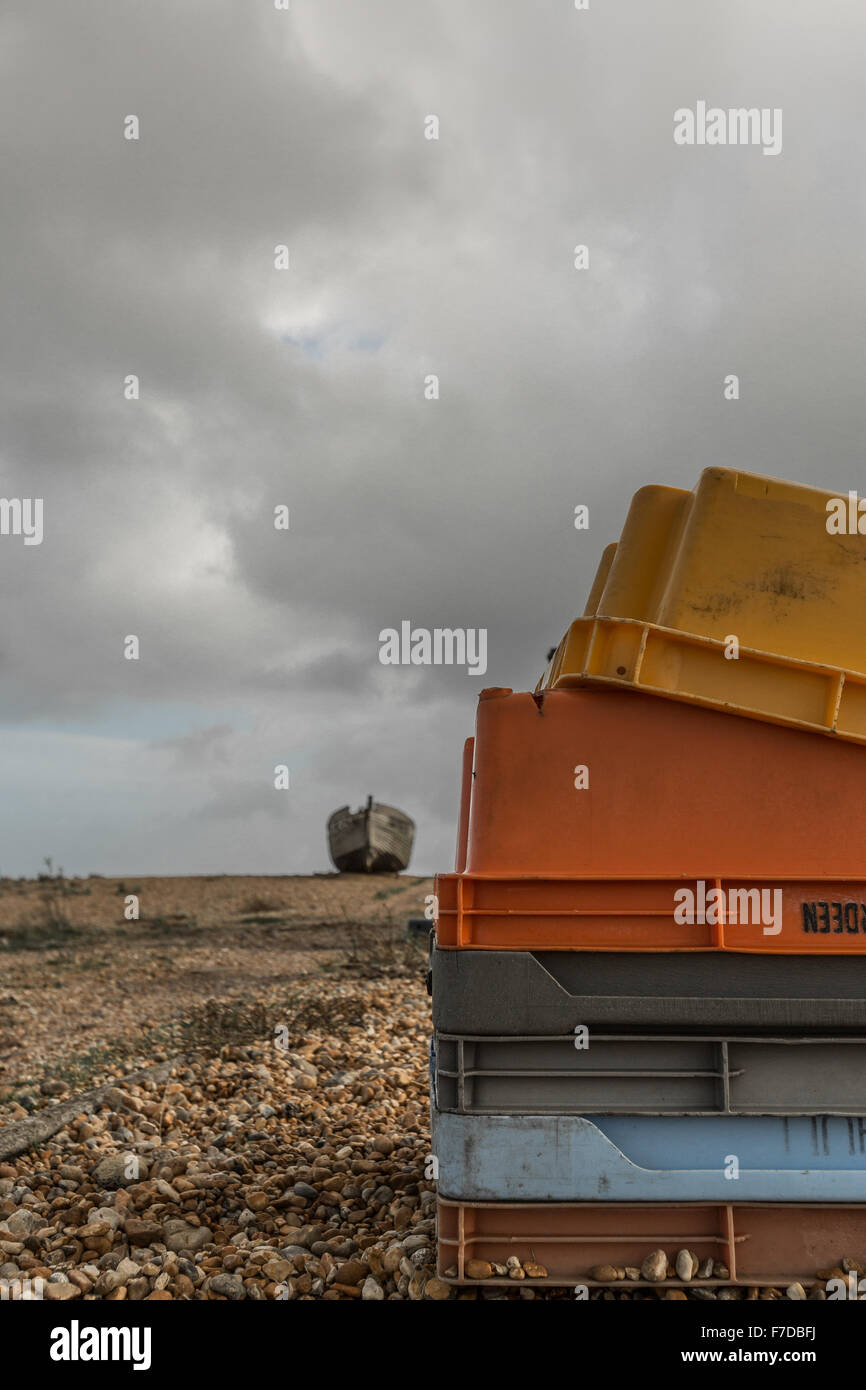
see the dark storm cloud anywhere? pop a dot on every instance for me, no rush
(305, 388)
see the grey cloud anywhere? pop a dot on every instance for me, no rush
(408, 257)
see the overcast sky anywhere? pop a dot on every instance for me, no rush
(305, 387)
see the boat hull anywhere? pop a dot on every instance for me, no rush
(376, 840)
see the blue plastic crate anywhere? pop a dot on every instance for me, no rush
(636, 1158)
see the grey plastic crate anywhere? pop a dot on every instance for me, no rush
(620, 1074)
(518, 992)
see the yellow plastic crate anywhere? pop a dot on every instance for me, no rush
(742, 557)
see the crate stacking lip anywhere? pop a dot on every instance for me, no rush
(740, 555)
(650, 1074)
(773, 1244)
(622, 652)
(641, 1158)
(520, 912)
(508, 992)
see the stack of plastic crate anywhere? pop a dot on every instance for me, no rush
(649, 973)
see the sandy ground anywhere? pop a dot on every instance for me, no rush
(280, 1148)
(82, 987)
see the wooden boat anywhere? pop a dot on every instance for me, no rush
(377, 839)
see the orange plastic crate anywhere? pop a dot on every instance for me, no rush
(772, 1245)
(818, 916)
(675, 797)
(674, 791)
